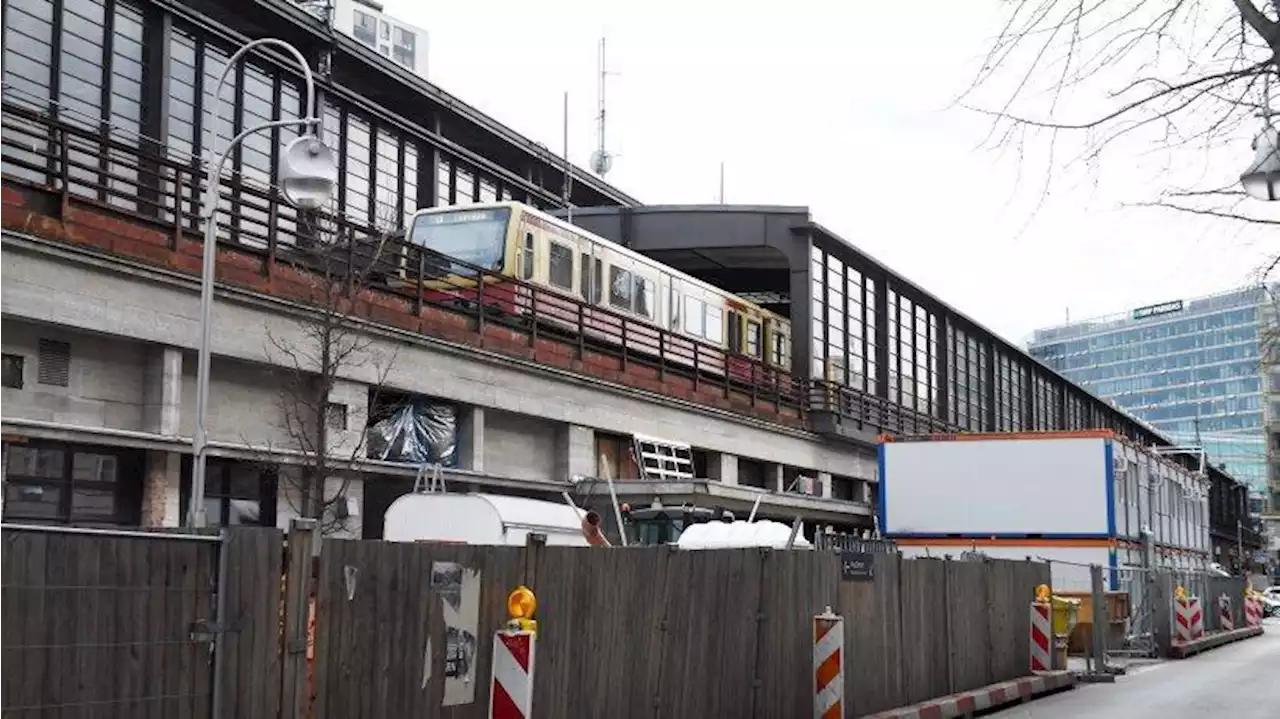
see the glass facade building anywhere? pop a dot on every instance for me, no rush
(1192, 369)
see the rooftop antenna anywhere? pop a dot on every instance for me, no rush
(568, 169)
(722, 182)
(601, 159)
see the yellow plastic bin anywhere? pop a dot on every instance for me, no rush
(1066, 613)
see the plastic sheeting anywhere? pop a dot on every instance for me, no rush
(417, 432)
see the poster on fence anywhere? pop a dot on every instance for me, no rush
(459, 590)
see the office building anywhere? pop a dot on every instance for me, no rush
(366, 21)
(1190, 368)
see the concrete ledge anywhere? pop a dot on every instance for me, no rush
(966, 704)
(1212, 641)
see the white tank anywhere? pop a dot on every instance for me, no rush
(737, 535)
(480, 519)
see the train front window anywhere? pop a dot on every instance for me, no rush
(477, 237)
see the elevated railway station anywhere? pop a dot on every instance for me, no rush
(107, 108)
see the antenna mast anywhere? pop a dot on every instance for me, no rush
(568, 169)
(722, 182)
(601, 159)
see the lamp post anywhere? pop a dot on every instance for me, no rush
(307, 176)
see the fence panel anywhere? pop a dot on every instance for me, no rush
(797, 585)
(105, 623)
(1010, 591)
(924, 629)
(381, 639)
(873, 645)
(710, 634)
(1216, 588)
(251, 670)
(968, 613)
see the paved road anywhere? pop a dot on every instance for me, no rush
(1240, 681)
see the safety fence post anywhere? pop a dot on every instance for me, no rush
(511, 688)
(1041, 629)
(1252, 612)
(828, 666)
(1188, 617)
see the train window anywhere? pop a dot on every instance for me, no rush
(620, 289)
(753, 339)
(779, 351)
(694, 314)
(526, 261)
(673, 307)
(715, 324)
(645, 297)
(560, 270)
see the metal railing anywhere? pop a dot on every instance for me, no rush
(142, 180)
(879, 413)
(832, 542)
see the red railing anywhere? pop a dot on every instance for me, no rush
(140, 179)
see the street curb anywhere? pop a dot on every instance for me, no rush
(994, 695)
(1183, 650)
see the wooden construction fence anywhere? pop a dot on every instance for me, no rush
(123, 624)
(660, 633)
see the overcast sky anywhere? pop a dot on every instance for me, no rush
(846, 107)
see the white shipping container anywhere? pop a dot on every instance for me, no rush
(1042, 485)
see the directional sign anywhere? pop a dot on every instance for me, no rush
(857, 566)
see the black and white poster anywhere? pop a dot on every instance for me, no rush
(459, 590)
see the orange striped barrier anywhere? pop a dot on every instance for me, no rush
(828, 666)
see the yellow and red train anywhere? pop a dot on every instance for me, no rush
(558, 268)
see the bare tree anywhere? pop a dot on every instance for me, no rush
(338, 264)
(1186, 76)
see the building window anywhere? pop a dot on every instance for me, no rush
(235, 492)
(404, 51)
(365, 28)
(64, 484)
(335, 416)
(13, 366)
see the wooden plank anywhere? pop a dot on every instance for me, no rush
(25, 562)
(298, 583)
(204, 584)
(60, 574)
(969, 625)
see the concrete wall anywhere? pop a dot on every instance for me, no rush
(245, 405)
(520, 447)
(156, 307)
(105, 382)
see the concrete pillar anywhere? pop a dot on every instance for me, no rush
(354, 397)
(575, 452)
(779, 478)
(341, 522)
(161, 414)
(824, 484)
(723, 468)
(470, 445)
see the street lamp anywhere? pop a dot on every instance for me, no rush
(307, 175)
(1262, 179)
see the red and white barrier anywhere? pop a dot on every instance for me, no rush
(1188, 619)
(1252, 612)
(511, 692)
(828, 666)
(1041, 637)
(1226, 618)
